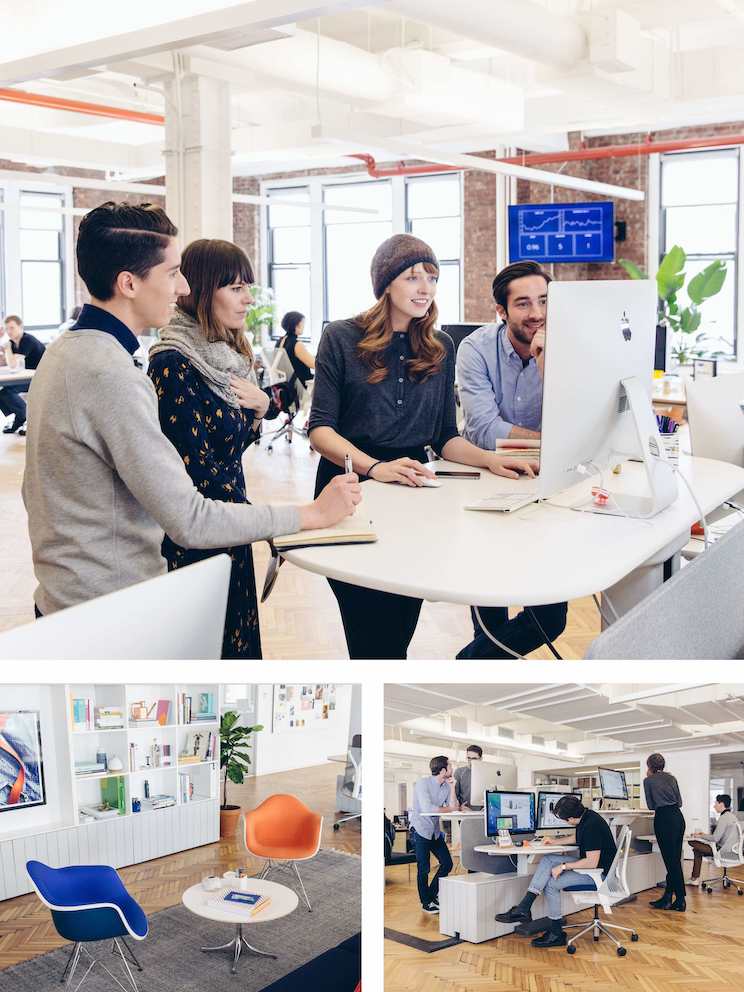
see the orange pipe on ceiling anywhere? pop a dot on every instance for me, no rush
(79, 107)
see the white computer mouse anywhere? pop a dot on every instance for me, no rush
(431, 483)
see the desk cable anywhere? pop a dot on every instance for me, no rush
(504, 647)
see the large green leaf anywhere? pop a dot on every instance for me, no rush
(708, 282)
(632, 269)
(690, 320)
(670, 276)
(235, 774)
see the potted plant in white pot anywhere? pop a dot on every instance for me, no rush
(684, 322)
(234, 763)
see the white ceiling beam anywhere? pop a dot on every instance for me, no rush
(175, 34)
(44, 148)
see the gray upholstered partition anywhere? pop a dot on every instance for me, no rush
(698, 613)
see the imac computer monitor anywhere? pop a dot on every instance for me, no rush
(546, 818)
(599, 361)
(512, 811)
(485, 775)
(613, 784)
(458, 332)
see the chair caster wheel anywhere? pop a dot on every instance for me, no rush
(596, 940)
(726, 883)
(621, 952)
(709, 891)
(336, 826)
(740, 892)
(634, 938)
(570, 949)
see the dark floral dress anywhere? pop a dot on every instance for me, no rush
(211, 437)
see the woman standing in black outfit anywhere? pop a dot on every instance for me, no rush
(210, 409)
(663, 796)
(384, 390)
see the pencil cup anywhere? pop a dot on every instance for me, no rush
(671, 447)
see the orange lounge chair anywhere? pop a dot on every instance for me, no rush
(283, 831)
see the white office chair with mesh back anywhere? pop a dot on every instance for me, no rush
(725, 858)
(608, 892)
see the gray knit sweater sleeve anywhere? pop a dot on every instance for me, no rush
(125, 430)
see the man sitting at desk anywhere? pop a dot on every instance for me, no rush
(32, 350)
(463, 776)
(725, 836)
(432, 795)
(597, 849)
(500, 383)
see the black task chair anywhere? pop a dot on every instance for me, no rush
(397, 857)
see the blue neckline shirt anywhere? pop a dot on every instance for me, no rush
(429, 795)
(497, 390)
(97, 319)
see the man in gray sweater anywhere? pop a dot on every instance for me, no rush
(724, 837)
(102, 482)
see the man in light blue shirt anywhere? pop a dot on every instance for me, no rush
(432, 795)
(500, 381)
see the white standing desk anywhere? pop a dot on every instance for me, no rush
(619, 818)
(430, 547)
(524, 855)
(11, 376)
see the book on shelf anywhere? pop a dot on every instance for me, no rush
(163, 712)
(355, 529)
(200, 745)
(99, 811)
(109, 717)
(185, 787)
(205, 707)
(189, 759)
(184, 708)
(89, 767)
(82, 713)
(114, 793)
(158, 802)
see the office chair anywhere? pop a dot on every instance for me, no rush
(89, 903)
(605, 893)
(349, 786)
(283, 831)
(725, 858)
(392, 857)
(282, 374)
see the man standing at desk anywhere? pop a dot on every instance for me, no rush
(432, 795)
(463, 776)
(500, 384)
(597, 849)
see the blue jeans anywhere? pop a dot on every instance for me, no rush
(521, 634)
(544, 883)
(424, 848)
(11, 402)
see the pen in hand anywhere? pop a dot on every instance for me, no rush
(348, 469)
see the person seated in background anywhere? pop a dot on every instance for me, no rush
(500, 383)
(463, 776)
(725, 836)
(432, 795)
(303, 361)
(32, 350)
(556, 872)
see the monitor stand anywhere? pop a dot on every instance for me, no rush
(662, 483)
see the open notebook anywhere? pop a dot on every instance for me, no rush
(356, 529)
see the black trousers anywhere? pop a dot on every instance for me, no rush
(669, 827)
(377, 624)
(11, 401)
(424, 849)
(521, 634)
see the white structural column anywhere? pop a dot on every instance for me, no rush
(198, 177)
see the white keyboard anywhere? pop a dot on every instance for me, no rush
(504, 502)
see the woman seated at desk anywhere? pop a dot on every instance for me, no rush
(384, 390)
(303, 361)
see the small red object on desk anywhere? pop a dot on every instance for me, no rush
(697, 530)
(601, 496)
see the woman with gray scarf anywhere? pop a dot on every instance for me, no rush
(211, 407)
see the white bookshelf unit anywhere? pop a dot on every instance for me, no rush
(145, 732)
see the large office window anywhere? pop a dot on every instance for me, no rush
(289, 252)
(433, 213)
(350, 242)
(700, 212)
(41, 257)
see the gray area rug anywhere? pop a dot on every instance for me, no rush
(171, 955)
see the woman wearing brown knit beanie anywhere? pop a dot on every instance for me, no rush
(384, 390)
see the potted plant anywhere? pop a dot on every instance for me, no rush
(261, 314)
(684, 322)
(234, 762)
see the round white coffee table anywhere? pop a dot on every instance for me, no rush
(202, 903)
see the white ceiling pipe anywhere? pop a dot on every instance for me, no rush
(519, 26)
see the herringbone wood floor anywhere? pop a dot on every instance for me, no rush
(699, 951)
(301, 619)
(26, 928)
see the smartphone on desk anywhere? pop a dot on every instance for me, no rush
(441, 474)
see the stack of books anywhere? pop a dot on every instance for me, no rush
(82, 713)
(109, 717)
(205, 708)
(99, 811)
(157, 802)
(90, 767)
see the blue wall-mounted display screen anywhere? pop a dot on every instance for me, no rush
(562, 232)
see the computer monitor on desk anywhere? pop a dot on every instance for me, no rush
(612, 784)
(546, 818)
(488, 775)
(458, 332)
(596, 412)
(512, 811)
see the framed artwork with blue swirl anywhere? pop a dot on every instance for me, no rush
(21, 767)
